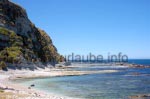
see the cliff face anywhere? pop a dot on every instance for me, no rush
(20, 40)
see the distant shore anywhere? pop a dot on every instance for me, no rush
(130, 65)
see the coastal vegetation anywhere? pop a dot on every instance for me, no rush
(21, 41)
(2, 65)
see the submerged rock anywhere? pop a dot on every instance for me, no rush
(144, 96)
(32, 85)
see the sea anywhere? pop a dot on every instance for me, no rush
(118, 85)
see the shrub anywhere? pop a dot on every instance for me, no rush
(10, 54)
(1, 91)
(2, 65)
(4, 31)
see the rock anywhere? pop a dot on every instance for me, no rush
(29, 87)
(140, 96)
(20, 36)
(136, 73)
(32, 85)
(67, 63)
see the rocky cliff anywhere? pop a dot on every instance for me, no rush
(20, 40)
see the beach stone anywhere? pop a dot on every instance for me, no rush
(32, 85)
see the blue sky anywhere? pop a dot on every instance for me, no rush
(96, 26)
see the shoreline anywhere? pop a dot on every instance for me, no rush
(13, 90)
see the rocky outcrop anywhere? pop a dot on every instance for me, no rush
(144, 96)
(20, 40)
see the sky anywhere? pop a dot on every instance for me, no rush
(94, 26)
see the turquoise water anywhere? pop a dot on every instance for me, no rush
(117, 85)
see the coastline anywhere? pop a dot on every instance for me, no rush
(10, 90)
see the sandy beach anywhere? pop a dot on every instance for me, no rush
(10, 90)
